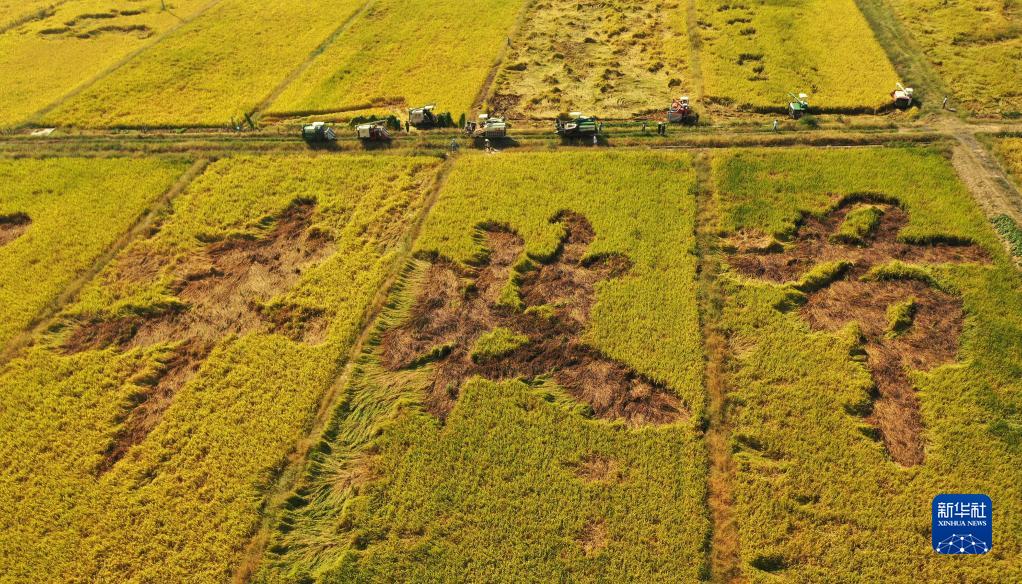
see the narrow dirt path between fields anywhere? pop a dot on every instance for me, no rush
(304, 66)
(294, 466)
(725, 553)
(986, 179)
(33, 120)
(145, 223)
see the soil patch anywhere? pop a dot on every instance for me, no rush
(593, 538)
(12, 226)
(928, 339)
(456, 307)
(596, 468)
(223, 290)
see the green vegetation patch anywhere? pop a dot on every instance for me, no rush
(1010, 231)
(859, 224)
(497, 343)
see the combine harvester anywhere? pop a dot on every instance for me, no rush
(799, 106)
(579, 126)
(373, 132)
(903, 97)
(681, 112)
(487, 127)
(423, 117)
(318, 132)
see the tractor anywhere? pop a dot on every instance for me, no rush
(681, 112)
(799, 107)
(373, 132)
(579, 126)
(487, 127)
(903, 97)
(423, 117)
(318, 132)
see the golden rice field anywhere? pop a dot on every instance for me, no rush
(400, 54)
(211, 404)
(43, 60)
(181, 81)
(975, 46)
(737, 351)
(67, 212)
(500, 490)
(805, 455)
(754, 54)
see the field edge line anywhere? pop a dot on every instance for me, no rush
(297, 459)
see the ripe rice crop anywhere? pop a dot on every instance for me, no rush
(517, 479)
(807, 452)
(975, 45)
(57, 216)
(43, 59)
(1010, 152)
(406, 53)
(754, 54)
(611, 59)
(140, 436)
(186, 79)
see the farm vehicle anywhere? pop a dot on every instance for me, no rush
(578, 126)
(903, 97)
(318, 132)
(799, 106)
(681, 112)
(487, 127)
(427, 117)
(373, 131)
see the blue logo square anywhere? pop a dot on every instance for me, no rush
(962, 524)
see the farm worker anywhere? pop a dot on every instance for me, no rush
(454, 145)
(775, 125)
(407, 127)
(594, 141)
(643, 127)
(944, 105)
(487, 144)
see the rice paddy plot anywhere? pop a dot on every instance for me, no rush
(509, 419)
(401, 54)
(873, 328)
(754, 54)
(212, 71)
(612, 59)
(975, 45)
(142, 432)
(58, 216)
(43, 59)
